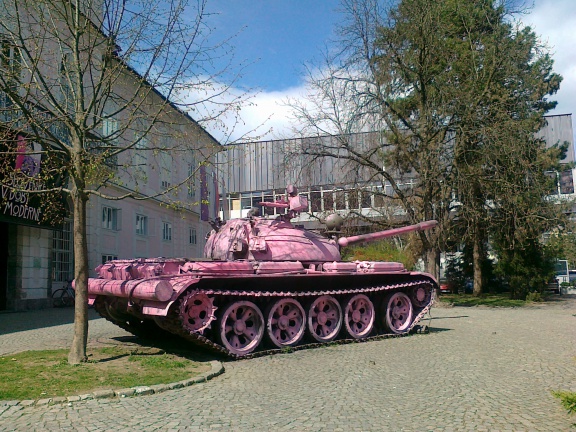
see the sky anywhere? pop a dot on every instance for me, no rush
(278, 37)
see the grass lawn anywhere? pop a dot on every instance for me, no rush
(492, 300)
(45, 374)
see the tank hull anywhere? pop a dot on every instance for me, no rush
(241, 308)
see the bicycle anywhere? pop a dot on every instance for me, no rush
(64, 296)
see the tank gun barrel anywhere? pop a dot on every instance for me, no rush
(345, 241)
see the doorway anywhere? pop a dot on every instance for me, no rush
(3, 265)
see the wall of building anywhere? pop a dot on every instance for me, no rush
(29, 267)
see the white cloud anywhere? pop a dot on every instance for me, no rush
(554, 21)
(237, 115)
(267, 116)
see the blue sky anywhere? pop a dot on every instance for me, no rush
(279, 36)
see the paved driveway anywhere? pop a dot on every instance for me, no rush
(479, 369)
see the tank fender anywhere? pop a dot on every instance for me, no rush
(427, 275)
(180, 285)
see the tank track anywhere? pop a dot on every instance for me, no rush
(172, 323)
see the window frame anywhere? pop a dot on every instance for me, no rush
(166, 231)
(110, 218)
(192, 236)
(141, 224)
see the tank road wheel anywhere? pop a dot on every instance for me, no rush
(241, 327)
(285, 324)
(397, 313)
(196, 312)
(324, 318)
(359, 316)
(420, 296)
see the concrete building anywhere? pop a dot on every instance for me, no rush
(259, 171)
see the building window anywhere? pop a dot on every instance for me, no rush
(165, 170)
(315, 201)
(66, 78)
(11, 66)
(140, 159)
(365, 198)
(62, 262)
(141, 224)
(106, 258)
(110, 135)
(191, 182)
(166, 231)
(340, 203)
(353, 200)
(328, 200)
(110, 218)
(192, 235)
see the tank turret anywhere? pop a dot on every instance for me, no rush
(265, 284)
(260, 239)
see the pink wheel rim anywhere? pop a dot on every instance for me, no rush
(359, 316)
(285, 324)
(421, 296)
(324, 318)
(241, 327)
(197, 312)
(398, 313)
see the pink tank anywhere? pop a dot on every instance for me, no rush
(265, 284)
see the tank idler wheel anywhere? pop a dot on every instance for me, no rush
(397, 311)
(197, 312)
(285, 322)
(359, 316)
(241, 327)
(324, 318)
(420, 296)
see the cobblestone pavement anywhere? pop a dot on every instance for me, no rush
(50, 329)
(479, 369)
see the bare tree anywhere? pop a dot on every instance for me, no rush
(384, 76)
(104, 89)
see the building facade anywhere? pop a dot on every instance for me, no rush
(37, 258)
(259, 171)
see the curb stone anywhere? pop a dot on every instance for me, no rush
(216, 369)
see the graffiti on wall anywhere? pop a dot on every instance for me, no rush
(19, 181)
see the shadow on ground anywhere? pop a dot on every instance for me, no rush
(439, 329)
(171, 345)
(13, 322)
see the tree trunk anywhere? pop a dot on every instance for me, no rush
(432, 262)
(78, 349)
(477, 256)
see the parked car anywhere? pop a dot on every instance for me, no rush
(444, 287)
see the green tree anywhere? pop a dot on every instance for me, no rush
(504, 77)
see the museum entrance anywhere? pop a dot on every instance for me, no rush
(3, 264)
